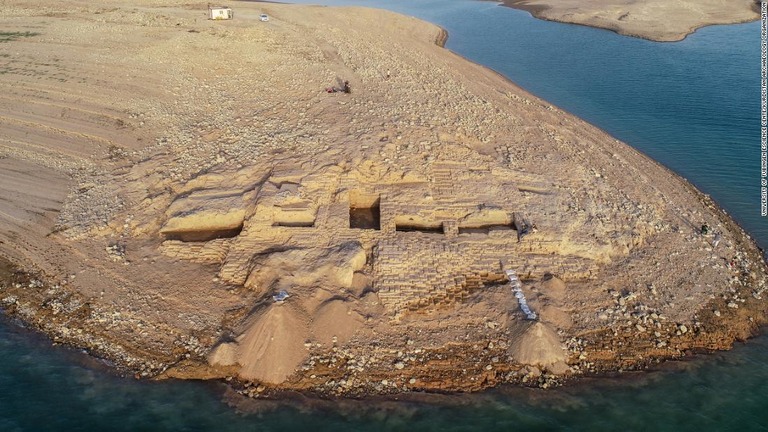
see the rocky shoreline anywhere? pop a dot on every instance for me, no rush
(636, 346)
(237, 221)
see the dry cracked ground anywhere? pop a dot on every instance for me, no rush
(186, 198)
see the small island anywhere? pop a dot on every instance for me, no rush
(657, 20)
(330, 202)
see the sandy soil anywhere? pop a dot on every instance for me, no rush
(166, 177)
(658, 20)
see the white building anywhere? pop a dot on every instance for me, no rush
(220, 13)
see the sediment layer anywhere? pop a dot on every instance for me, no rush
(191, 198)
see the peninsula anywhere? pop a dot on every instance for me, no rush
(657, 20)
(330, 202)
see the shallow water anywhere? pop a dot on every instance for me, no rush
(60, 389)
(691, 105)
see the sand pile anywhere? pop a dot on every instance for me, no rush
(538, 345)
(270, 347)
(550, 303)
(554, 288)
(271, 344)
(335, 322)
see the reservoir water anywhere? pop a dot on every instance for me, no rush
(691, 105)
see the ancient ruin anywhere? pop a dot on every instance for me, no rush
(436, 228)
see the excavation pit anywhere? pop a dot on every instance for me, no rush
(204, 235)
(364, 211)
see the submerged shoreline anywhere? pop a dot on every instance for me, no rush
(135, 255)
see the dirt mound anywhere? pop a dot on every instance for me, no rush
(335, 319)
(271, 346)
(537, 345)
(554, 288)
(556, 316)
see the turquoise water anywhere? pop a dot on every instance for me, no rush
(691, 105)
(48, 388)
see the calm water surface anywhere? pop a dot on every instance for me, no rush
(692, 105)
